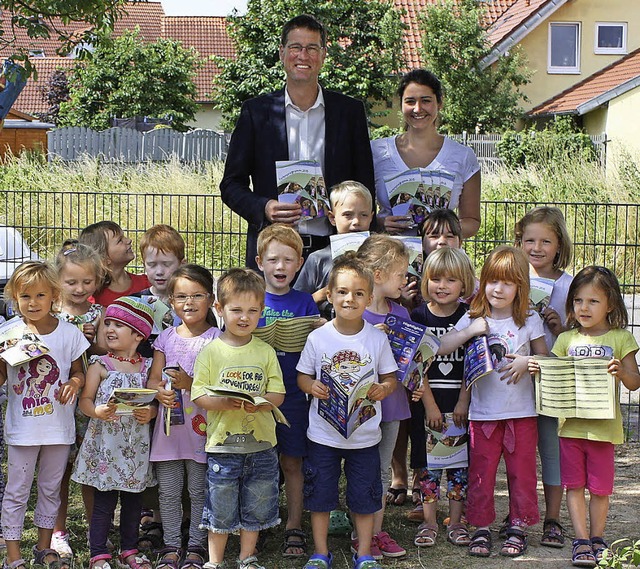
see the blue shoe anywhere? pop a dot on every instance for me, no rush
(365, 562)
(319, 561)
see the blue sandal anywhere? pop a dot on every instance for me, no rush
(365, 562)
(319, 561)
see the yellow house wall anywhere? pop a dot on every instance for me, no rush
(596, 121)
(535, 45)
(622, 126)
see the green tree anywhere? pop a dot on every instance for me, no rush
(125, 77)
(454, 45)
(363, 52)
(55, 18)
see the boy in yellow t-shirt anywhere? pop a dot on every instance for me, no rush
(242, 461)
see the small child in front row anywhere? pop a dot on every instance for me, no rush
(40, 426)
(114, 456)
(180, 455)
(447, 277)
(502, 413)
(115, 250)
(242, 474)
(597, 320)
(280, 258)
(81, 272)
(542, 234)
(349, 349)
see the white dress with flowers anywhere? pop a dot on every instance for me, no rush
(115, 455)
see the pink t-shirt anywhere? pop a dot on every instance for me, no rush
(187, 441)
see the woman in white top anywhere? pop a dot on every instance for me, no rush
(421, 146)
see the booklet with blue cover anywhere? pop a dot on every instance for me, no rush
(477, 360)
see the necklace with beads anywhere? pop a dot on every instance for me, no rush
(134, 360)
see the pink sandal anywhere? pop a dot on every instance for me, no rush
(100, 561)
(133, 559)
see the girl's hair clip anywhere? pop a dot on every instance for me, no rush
(69, 251)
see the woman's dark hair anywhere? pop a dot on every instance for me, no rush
(421, 77)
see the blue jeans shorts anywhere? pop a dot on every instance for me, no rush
(242, 492)
(322, 468)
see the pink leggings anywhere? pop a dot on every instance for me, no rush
(21, 466)
(516, 440)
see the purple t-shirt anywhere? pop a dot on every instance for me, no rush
(187, 441)
(395, 407)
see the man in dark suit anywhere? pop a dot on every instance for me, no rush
(303, 121)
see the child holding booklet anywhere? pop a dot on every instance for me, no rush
(280, 258)
(502, 413)
(542, 234)
(388, 259)
(447, 277)
(597, 320)
(241, 437)
(114, 456)
(350, 350)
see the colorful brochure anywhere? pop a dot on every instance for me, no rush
(344, 242)
(287, 334)
(127, 399)
(413, 347)
(447, 448)
(416, 254)
(347, 407)
(256, 400)
(175, 415)
(540, 293)
(301, 181)
(577, 387)
(163, 316)
(477, 360)
(18, 344)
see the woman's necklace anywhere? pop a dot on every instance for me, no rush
(134, 360)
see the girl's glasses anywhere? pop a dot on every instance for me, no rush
(182, 298)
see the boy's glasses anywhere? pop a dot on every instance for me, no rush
(182, 298)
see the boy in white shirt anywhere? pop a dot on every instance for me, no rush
(349, 350)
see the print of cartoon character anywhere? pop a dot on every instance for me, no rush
(344, 366)
(499, 350)
(41, 374)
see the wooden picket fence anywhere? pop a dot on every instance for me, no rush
(128, 145)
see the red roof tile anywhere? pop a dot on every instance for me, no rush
(30, 100)
(514, 16)
(595, 85)
(411, 17)
(208, 35)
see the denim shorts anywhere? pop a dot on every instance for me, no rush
(242, 492)
(322, 474)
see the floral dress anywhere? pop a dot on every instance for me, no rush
(115, 455)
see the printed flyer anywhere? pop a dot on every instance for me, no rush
(477, 360)
(447, 448)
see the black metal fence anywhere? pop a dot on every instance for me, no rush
(605, 234)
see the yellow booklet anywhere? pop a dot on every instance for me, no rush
(288, 334)
(253, 399)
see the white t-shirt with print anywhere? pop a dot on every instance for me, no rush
(34, 414)
(491, 398)
(371, 349)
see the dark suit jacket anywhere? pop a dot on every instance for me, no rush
(260, 139)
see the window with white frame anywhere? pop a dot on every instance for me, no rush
(564, 47)
(611, 37)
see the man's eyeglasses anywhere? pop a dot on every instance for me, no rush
(313, 49)
(182, 298)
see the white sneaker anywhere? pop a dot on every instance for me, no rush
(60, 544)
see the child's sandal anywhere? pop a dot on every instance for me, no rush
(133, 559)
(168, 558)
(17, 564)
(480, 544)
(40, 558)
(250, 562)
(100, 561)
(426, 536)
(516, 543)
(195, 558)
(319, 561)
(458, 534)
(598, 545)
(552, 534)
(582, 553)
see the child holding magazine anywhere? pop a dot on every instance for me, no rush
(542, 234)
(349, 350)
(597, 320)
(502, 413)
(447, 277)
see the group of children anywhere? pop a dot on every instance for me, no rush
(215, 445)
